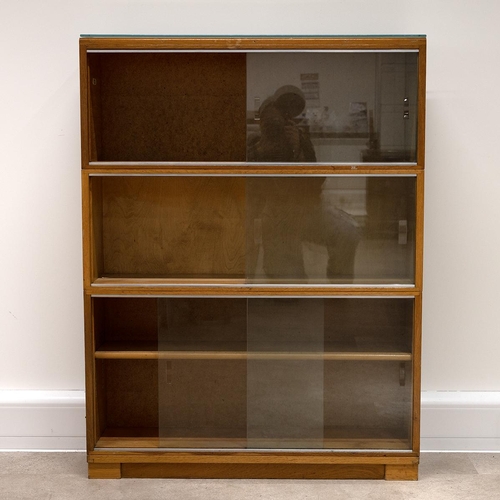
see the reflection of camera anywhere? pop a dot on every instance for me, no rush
(278, 110)
(290, 101)
(281, 140)
(272, 122)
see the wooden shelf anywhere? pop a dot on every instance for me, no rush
(237, 351)
(215, 443)
(149, 438)
(242, 282)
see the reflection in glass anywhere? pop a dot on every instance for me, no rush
(332, 107)
(281, 138)
(330, 229)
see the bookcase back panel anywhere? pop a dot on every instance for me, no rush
(169, 107)
(127, 319)
(131, 399)
(173, 226)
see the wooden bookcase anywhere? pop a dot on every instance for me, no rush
(252, 241)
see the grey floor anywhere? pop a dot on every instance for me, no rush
(54, 476)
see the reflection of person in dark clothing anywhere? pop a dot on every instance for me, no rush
(291, 208)
(281, 140)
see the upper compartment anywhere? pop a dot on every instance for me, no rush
(321, 106)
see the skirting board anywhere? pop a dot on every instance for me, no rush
(55, 420)
(42, 420)
(460, 421)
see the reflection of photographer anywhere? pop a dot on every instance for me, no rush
(281, 139)
(291, 211)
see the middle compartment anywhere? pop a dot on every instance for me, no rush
(337, 229)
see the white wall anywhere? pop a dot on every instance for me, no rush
(41, 319)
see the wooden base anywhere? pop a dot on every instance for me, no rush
(401, 472)
(253, 471)
(105, 471)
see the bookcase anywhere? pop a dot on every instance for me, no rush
(252, 242)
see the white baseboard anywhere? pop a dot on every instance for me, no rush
(42, 420)
(460, 421)
(55, 420)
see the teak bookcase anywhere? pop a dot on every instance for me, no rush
(252, 241)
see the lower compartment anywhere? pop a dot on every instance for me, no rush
(253, 373)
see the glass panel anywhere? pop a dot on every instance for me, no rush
(202, 372)
(368, 398)
(351, 229)
(331, 229)
(368, 405)
(285, 373)
(277, 373)
(332, 107)
(369, 325)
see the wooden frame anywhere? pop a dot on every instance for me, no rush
(142, 453)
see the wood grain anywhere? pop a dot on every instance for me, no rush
(401, 472)
(112, 352)
(187, 227)
(134, 438)
(169, 106)
(254, 457)
(257, 43)
(254, 471)
(105, 471)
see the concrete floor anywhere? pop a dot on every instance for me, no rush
(63, 476)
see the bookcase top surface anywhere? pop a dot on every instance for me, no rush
(122, 35)
(251, 42)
